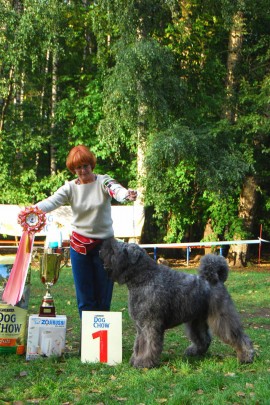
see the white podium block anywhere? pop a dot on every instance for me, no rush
(46, 336)
(101, 339)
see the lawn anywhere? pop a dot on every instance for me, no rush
(215, 379)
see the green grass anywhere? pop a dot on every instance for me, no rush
(215, 379)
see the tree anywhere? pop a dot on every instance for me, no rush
(157, 89)
(39, 80)
(241, 31)
(141, 88)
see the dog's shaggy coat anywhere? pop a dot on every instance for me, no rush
(161, 298)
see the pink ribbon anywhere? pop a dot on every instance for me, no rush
(32, 220)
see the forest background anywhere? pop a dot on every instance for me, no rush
(172, 96)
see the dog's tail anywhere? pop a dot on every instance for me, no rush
(213, 268)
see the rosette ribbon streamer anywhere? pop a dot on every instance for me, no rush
(32, 220)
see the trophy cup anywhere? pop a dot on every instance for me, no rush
(49, 274)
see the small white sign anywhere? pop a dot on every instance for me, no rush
(46, 336)
(101, 337)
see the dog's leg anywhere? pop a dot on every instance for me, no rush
(139, 345)
(198, 332)
(147, 347)
(225, 323)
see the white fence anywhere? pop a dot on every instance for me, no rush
(189, 245)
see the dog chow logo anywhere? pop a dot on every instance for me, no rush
(100, 322)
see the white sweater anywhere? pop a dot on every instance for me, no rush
(90, 204)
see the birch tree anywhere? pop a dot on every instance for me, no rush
(32, 35)
(141, 87)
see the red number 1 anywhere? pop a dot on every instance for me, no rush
(103, 344)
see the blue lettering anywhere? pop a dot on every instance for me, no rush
(99, 319)
(101, 325)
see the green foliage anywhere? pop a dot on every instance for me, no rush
(79, 112)
(223, 211)
(27, 189)
(127, 21)
(31, 35)
(143, 77)
(197, 36)
(195, 174)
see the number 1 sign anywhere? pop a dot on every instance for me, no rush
(101, 337)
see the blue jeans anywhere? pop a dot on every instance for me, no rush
(92, 284)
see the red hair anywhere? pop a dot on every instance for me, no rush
(78, 156)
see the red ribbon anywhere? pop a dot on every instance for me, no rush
(32, 220)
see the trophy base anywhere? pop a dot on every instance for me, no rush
(47, 309)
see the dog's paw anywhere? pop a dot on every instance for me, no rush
(246, 356)
(193, 350)
(190, 351)
(142, 363)
(246, 352)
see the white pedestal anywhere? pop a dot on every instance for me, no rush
(101, 337)
(46, 336)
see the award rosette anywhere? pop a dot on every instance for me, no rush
(32, 220)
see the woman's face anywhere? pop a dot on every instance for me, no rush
(84, 173)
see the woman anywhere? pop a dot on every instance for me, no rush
(89, 196)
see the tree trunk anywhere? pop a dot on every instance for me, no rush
(7, 99)
(238, 254)
(208, 235)
(9, 94)
(53, 163)
(42, 96)
(234, 54)
(141, 171)
(141, 142)
(247, 201)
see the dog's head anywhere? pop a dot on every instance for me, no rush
(120, 259)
